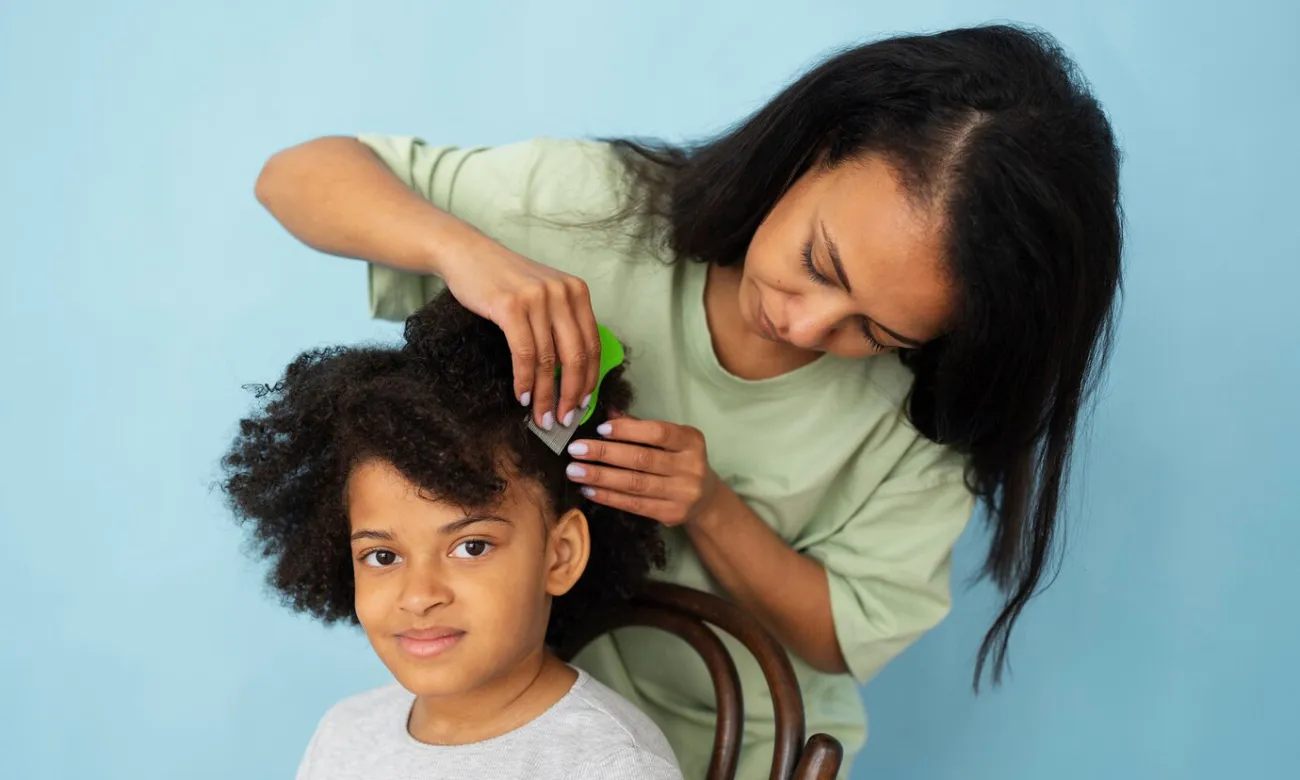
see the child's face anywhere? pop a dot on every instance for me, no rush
(453, 601)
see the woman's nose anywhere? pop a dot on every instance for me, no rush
(812, 323)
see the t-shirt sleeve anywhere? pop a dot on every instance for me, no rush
(519, 194)
(889, 566)
(305, 766)
(629, 763)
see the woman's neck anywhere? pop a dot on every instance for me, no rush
(499, 707)
(742, 352)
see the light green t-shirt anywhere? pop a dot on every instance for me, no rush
(824, 454)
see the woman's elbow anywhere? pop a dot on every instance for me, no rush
(286, 168)
(833, 665)
(826, 658)
(270, 178)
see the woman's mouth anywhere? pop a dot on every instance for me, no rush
(765, 324)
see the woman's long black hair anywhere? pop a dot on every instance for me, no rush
(994, 126)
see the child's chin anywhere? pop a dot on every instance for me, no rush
(447, 673)
(437, 683)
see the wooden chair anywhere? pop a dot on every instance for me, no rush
(688, 613)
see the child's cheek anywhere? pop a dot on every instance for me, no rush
(368, 602)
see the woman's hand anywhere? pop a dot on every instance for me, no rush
(661, 471)
(651, 468)
(547, 319)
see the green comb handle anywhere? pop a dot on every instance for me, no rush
(611, 357)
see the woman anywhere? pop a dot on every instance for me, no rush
(880, 298)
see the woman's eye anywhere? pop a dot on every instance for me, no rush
(474, 548)
(875, 343)
(809, 267)
(380, 558)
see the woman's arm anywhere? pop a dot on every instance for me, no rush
(847, 604)
(338, 197)
(788, 592)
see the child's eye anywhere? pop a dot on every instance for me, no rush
(380, 558)
(473, 548)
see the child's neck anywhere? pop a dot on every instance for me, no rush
(501, 706)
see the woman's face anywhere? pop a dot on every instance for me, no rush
(847, 263)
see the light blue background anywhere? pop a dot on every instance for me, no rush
(142, 286)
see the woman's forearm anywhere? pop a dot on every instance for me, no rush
(338, 197)
(786, 591)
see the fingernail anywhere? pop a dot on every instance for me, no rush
(586, 401)
(568, 419)
(575, 471)
(548, 421)
(577, 448)
(604, 429)
(526, 399)
(589, 492)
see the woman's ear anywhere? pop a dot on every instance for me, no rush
(567, 552)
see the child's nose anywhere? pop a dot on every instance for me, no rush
(422, 591)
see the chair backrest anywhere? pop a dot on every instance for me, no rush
(688, 613)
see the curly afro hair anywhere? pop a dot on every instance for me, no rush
(441, 409)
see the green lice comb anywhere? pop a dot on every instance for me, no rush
(611, 357)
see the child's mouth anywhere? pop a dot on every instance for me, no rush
(429, 642)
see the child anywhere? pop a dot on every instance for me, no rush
(400, 489)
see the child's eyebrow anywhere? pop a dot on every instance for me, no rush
(466, 522)
(382, 536)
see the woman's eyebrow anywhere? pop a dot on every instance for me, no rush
(834, 252)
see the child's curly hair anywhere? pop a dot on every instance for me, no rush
(441, 409)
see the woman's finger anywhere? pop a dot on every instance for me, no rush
(523, 352)
(666, 512)
(539, 321)
(636, 483)
(585, 316)
(573, 355)
(653, 433)
(626, 456)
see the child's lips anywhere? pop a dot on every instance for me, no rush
(429, 642)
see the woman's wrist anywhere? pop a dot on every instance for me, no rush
(449, 242)
(721, 510)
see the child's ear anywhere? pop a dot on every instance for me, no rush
(569, 548)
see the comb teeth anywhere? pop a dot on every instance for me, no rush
(556, 438)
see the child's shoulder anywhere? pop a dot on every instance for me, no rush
(594, 713)
(378, 704)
